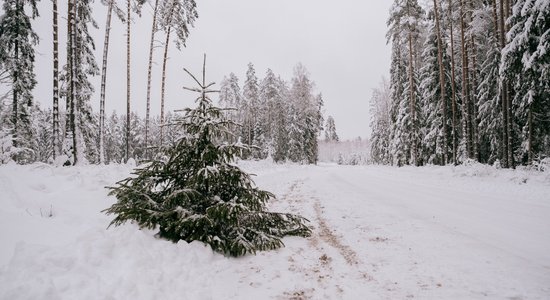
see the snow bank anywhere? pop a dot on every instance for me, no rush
(463, 232)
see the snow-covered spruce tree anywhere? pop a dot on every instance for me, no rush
(17, 41)
(197, 193)
(250, 105)
(380, 123)
(404, 31)
(434, 139)
(526, 64)
(330, 130)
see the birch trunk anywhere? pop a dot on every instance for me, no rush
(149, 74)
(55, 117)
(103, 84)
(128, 20)
(163, 85)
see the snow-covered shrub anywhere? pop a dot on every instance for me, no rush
(542, 165)
(199, 193)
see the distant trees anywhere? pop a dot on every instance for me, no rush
(330, 130)
(482, 96)
(282, 122)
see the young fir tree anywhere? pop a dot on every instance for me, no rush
(197, 193)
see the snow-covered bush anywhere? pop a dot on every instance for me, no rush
(198, 193)
(542, 165)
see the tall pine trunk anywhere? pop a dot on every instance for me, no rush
(504, 93)
(55, 116)
(15, 115)
(163, 85)
(412, 100)
(465, 83)
(530, 136)
(103, 84)
(128, 80)
(441, 82)
(453, 86)
(149, 74)
(473, 88)
(509, 116)
(72, 69)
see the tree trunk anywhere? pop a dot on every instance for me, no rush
(504, 92)
(453, 85)
(163, 85)
(473, 88)
(465, 83)
(15, 92)
(509, 106)
(411, 96)
(103, 84)
(55, 117)
(441, 82)
(73, 29)
(149, 74)
(530, 137)
(128, 80)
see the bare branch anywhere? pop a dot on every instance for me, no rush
(192, 89)
(192, 76)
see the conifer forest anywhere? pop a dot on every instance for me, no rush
(469, 80)
(246, 149)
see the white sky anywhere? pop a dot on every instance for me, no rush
(342, 43)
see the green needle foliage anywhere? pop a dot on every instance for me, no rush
(197, 193)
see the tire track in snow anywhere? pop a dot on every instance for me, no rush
(325, 243)
(319, 269)
(328, 236)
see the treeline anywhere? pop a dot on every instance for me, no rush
(469, 80)
(76, 132)
(283, 120)
(39, 147)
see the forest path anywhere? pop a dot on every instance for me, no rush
(409, 236)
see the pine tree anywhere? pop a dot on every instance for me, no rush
(17, 41)
(197, 193)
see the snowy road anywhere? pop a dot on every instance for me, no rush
(379, 233)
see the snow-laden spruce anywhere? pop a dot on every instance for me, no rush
(197, 193)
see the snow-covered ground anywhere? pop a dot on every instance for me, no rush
(379, 233)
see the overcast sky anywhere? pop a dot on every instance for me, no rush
(342, 44)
